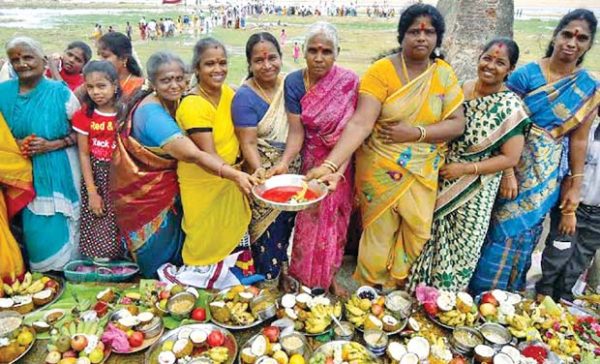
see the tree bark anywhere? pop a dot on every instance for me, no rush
(469, 25)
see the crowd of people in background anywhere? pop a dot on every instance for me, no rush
(452, 179)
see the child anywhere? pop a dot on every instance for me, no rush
(296, 53)
(282, 38)
(573, 241)
(96, 125)
(67, 67)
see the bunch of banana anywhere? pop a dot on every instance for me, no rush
(519, 325)
(28, 286)
(357, 310)
(220, 354)
(457, 318)
(353, 352)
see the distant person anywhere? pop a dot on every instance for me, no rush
(110, 29)
(296, 52)
(128, 30)
(282, 37)
(67, 67)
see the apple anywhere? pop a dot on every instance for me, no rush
(458, 360)
(70, 354)
(100, 346)
(129, 333)
(136, 339)
(376, 309)
(53, 357)
(272, 333)
(51, 284)
(488, 297)
(164, 295)
(96, 356)
(431, 308)
(254, 290)
(216, 338)
(79, 342)
(199, 314)
(488, 309)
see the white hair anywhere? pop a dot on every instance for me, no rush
(35, 46)
(325, 29)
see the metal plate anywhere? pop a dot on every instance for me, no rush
(330, 327)
(289, 180)
(146, 344)
(329, 347)
(173, 335)
(61, 289)
(227, 326)
(306, 355)
(26, 350)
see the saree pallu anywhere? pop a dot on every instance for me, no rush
(16, 191)
(555, 110)
(397, 183)
(45, 112)
(145, 194)
(464, 205)
(270, 229)
(320, 233)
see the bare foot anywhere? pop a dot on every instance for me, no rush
(338, 290)
(287, 284)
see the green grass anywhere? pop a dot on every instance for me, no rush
(361, 38)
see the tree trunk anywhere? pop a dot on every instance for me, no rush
(469, 25)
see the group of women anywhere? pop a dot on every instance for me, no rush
(431, 161)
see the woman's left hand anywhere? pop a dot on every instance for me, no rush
(568, 224)
(400, 132)
(39, 145)
(453, 171)
(332, 180)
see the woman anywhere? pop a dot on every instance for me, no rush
(319, 100)
(258, 112)
(562, 100)
(116, 48)
(38, 112)
(492, 142)
(405, 118)
(68, 66)
(216, 212)
(143, 176)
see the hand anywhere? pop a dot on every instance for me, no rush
(317, 173)
(332, 180)
(570, 199)
(567, 225)
(509, 188)
(24, 145)
(260, 174)
(280, 168)
(245, 182)
(96, 203)
(453, 171)
(400, 132)
(39, 145)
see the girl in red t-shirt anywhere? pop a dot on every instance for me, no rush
(96, 124)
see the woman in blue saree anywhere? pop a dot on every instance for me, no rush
(38, 113)
(562, 100)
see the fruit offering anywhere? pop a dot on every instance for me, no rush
(77, 339)
(193, 342)
(497, 305)
(340, 352)
(453, 309)
(17, 340)
(129, 332)
(242, 306)
(287, 349)
(29, 294)
(311, 314)
(365, 314)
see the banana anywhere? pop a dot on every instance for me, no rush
(15, 286)
(7, 289)
(27, 280)
(72, 328)
(35, 287)
(354, 311)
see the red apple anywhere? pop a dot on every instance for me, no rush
(70, 354)
(51, 284)
(272, 333)
(136, 339)
(431, 308)
(215, 338)
(164, 295)
(199, 314)
(458, 360)
(79, 342)
(488, 297)
(377, 310)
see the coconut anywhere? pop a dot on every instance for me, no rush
(260, 346)
(513, 352)
(500, 295)
(502, 358)
(320, 300)
(290, 313)
(247, 356)
(276, 347)
(390, 323)
(396, 351)
(464, 302)
(129, 321)
(145, 317)
(372, 322)
(198, 337)
(409, 358)
(446, 301)
(193, 291)
(6, 303)
(166, 357)
(83, 360)
(219, 311)
(420, 346)
(513, 298)
(41, 326)
(23, 304)
(484, 353)
(106, 295)
(413, 324)
(245, 296)
(303, 299)
(266, 360)
(281, 357)
(184, 333)
(288, 300)
(42, 297)
(182, 348)
(306, 290)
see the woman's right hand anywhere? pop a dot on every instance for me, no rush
(245, 182)
(509, 189)
(280, 168)
(260, 174)
(96, 203)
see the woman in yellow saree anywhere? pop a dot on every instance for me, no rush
(16, 191)
(409, 106)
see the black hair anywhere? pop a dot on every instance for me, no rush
(255, 39)
(87, 51)
(511, 46)
(201, 46)
(577, 14)
(408, 17)
(108, 69)
(120, 45)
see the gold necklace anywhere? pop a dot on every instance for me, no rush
(405, 70)
(207, 96)
(262, 91)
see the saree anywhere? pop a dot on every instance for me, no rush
(16, 185)
(216, 212)
(397, 183)
(464, 205)
(145, 194)
(320, 233)
(555, 109)
(45, 111)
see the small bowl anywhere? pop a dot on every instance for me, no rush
(176, 299)
(41, 326)
(377, 348)
(484, 354)
(337, 331)
(495, 334)
(14, 318)
(269, 311)
(283, 340)
(400, 311)
(364, 289)
(53, 316)
(119, 314)
(460, 344)
(317, 291)
(152, 328)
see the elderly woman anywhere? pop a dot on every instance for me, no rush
(258, 111)
(216, 211)
(562, 99)
(319, 100)
(116, 48)
(409, 106)
(470, 180)
(38, 112)
(144, 177)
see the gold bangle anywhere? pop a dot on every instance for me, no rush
(328, 167)
(506, 175)
(476, 168)
(576, 175)
(423, 132)
(331, 164)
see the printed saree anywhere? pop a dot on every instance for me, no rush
(555, 110)
(464, 205)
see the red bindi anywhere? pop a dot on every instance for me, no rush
(576, 32)
(265, 54)
(320, 47)
(422, 26)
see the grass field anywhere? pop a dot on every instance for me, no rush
(362, 38)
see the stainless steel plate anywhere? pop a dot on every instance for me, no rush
(287, 180)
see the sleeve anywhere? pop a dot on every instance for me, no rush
(72, 104)
(242, 112)
(374, 81)
(294, 92)
(81, 123)
(453, 94)
(194, 116)
(159, 128)
(518, 80)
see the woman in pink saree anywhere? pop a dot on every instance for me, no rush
(319, 101)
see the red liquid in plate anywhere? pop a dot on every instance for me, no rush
(285, 193)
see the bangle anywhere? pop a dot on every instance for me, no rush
(476, 168)
(576, 175)
(341, 175)
(221, 169)
(423, 132)
(329, 163)
(328, 167)
(510, 174)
